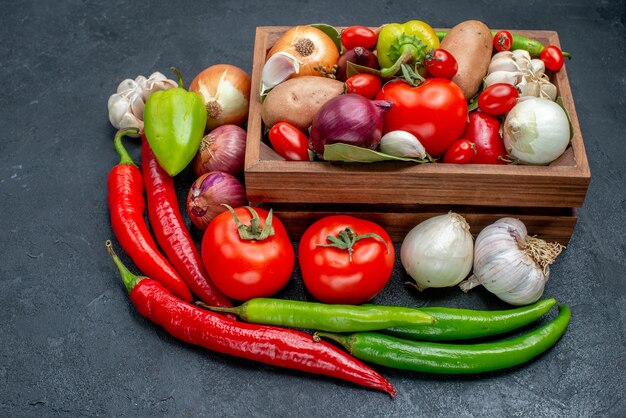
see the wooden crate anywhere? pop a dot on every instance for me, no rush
(399, 195)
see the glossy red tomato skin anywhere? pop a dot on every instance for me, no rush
(289, 142)
(462, 151)
(356, 36)
(435, 112)
(441, 63)
(484, 131)
(503, 41)
(366, 85)
(244, 269)
(328, 273)
(552, 57)
(498, 99)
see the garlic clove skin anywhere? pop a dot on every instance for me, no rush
(502, 54)
(278, 68)
(508, 77)
(537, 67)
(127, 85)
(402, 144)
(503, 64)
(548, 90)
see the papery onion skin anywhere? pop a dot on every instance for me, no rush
(348, 119)
(208, 194)
(312, 47)
(225, 90)
(438, 252)
(223, 149)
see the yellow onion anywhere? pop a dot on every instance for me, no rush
(225, 90)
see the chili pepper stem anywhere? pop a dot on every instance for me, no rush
(236, 310)
(409, 52)
(343, 340)
(130, 280)
(119, 147)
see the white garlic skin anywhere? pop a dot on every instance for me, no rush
(502, 266)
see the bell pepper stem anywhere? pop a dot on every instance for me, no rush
(119, 147)
(180, 77)
(409, 53)
(130, 280)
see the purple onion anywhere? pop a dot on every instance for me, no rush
(349, 119)
(223, 149)
(359, 56)
(208, 194)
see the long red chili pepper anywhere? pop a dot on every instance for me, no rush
(126, 204)
(170, 230)
(271, 345)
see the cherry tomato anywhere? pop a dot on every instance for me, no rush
(462, 151)
(244, 269)
(366, 85)
(503, 41)
(333, 275)
(498, 99)
(484, 131)
(358, 36)
(435, 112)
(289, 142)
(552, 57)
(441, 63)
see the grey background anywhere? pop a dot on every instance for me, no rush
(72, 344)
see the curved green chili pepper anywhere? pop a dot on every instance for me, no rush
(405, 43)
(174, 122)
(442, 358)
(462, 324)
(533, 46)
(323, 317)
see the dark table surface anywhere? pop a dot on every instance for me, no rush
(72, 344)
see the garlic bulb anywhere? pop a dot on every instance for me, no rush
(511, 264)
(402, 144)
(127, 104)
(438, 252)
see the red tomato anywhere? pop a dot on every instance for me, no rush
(462, 151)
(435, 112)
(289, 142)
(484, 131)
(498, 99)
(244, 269)
(355, 36)
(328, 272)
(366, 85)
(441, 63)
(503, 41)
(552, 57)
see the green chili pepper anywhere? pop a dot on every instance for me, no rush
(533, 47)
(405, 43)
(442, 358)
(174, 122)
(323, 317)
(462, 324)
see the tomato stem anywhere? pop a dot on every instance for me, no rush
(346, 239)
(254, 230)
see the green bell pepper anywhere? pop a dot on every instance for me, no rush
(174, 122)
(405, 43)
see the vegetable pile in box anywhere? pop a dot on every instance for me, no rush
(402, 92)
(412, 87)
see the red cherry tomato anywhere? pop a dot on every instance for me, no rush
(435, 112)
(441, 63)
(355, 36)
(484, 131)
(503, 41)
(366, 85)
(331, 274)
(289, 142)
(498, 99)
(552, 57)
(462, 151)
(244, 269)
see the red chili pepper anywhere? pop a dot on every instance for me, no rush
(266, 344)
(127, 205)
(170, 230)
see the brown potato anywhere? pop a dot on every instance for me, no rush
(470, 42)
(298, 100)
